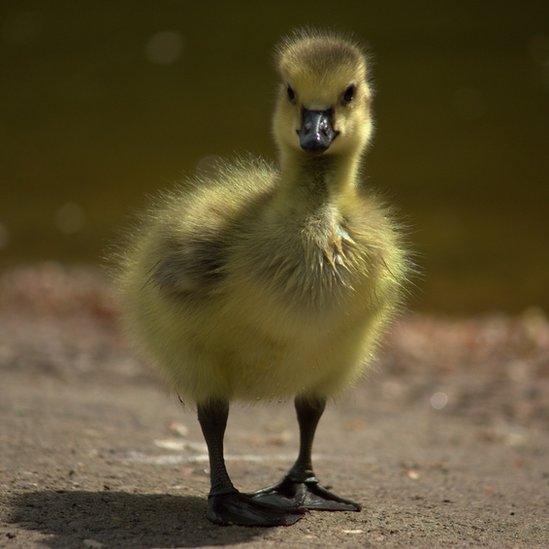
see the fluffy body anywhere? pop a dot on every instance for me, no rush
(261, 283)
(236, 297)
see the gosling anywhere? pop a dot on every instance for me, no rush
(262, 282)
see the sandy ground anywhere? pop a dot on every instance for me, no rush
(445, 444)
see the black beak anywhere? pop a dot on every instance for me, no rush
(317, 130)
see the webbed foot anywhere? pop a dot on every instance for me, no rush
(241, 509)
(307, 493)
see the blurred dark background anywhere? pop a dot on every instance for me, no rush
(103, 103)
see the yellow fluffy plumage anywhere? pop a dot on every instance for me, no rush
(269, 282)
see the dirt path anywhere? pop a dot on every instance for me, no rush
(95, 452)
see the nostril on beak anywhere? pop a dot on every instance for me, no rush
(316, 133)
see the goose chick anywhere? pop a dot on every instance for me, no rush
(261, 282)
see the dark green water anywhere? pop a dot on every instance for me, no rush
(102, 103)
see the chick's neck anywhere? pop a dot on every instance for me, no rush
(310, 182)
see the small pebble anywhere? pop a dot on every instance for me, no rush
(92, 543)
(178, 428)
(176, 445)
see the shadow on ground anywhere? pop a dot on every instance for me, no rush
(119, 519)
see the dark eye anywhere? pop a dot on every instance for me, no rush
(348, 94)
(291, 94)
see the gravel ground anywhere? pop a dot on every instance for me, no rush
(446, 443)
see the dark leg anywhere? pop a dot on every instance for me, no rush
(309, 412)
(226, 505)
(213, 421)
(300, 484)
